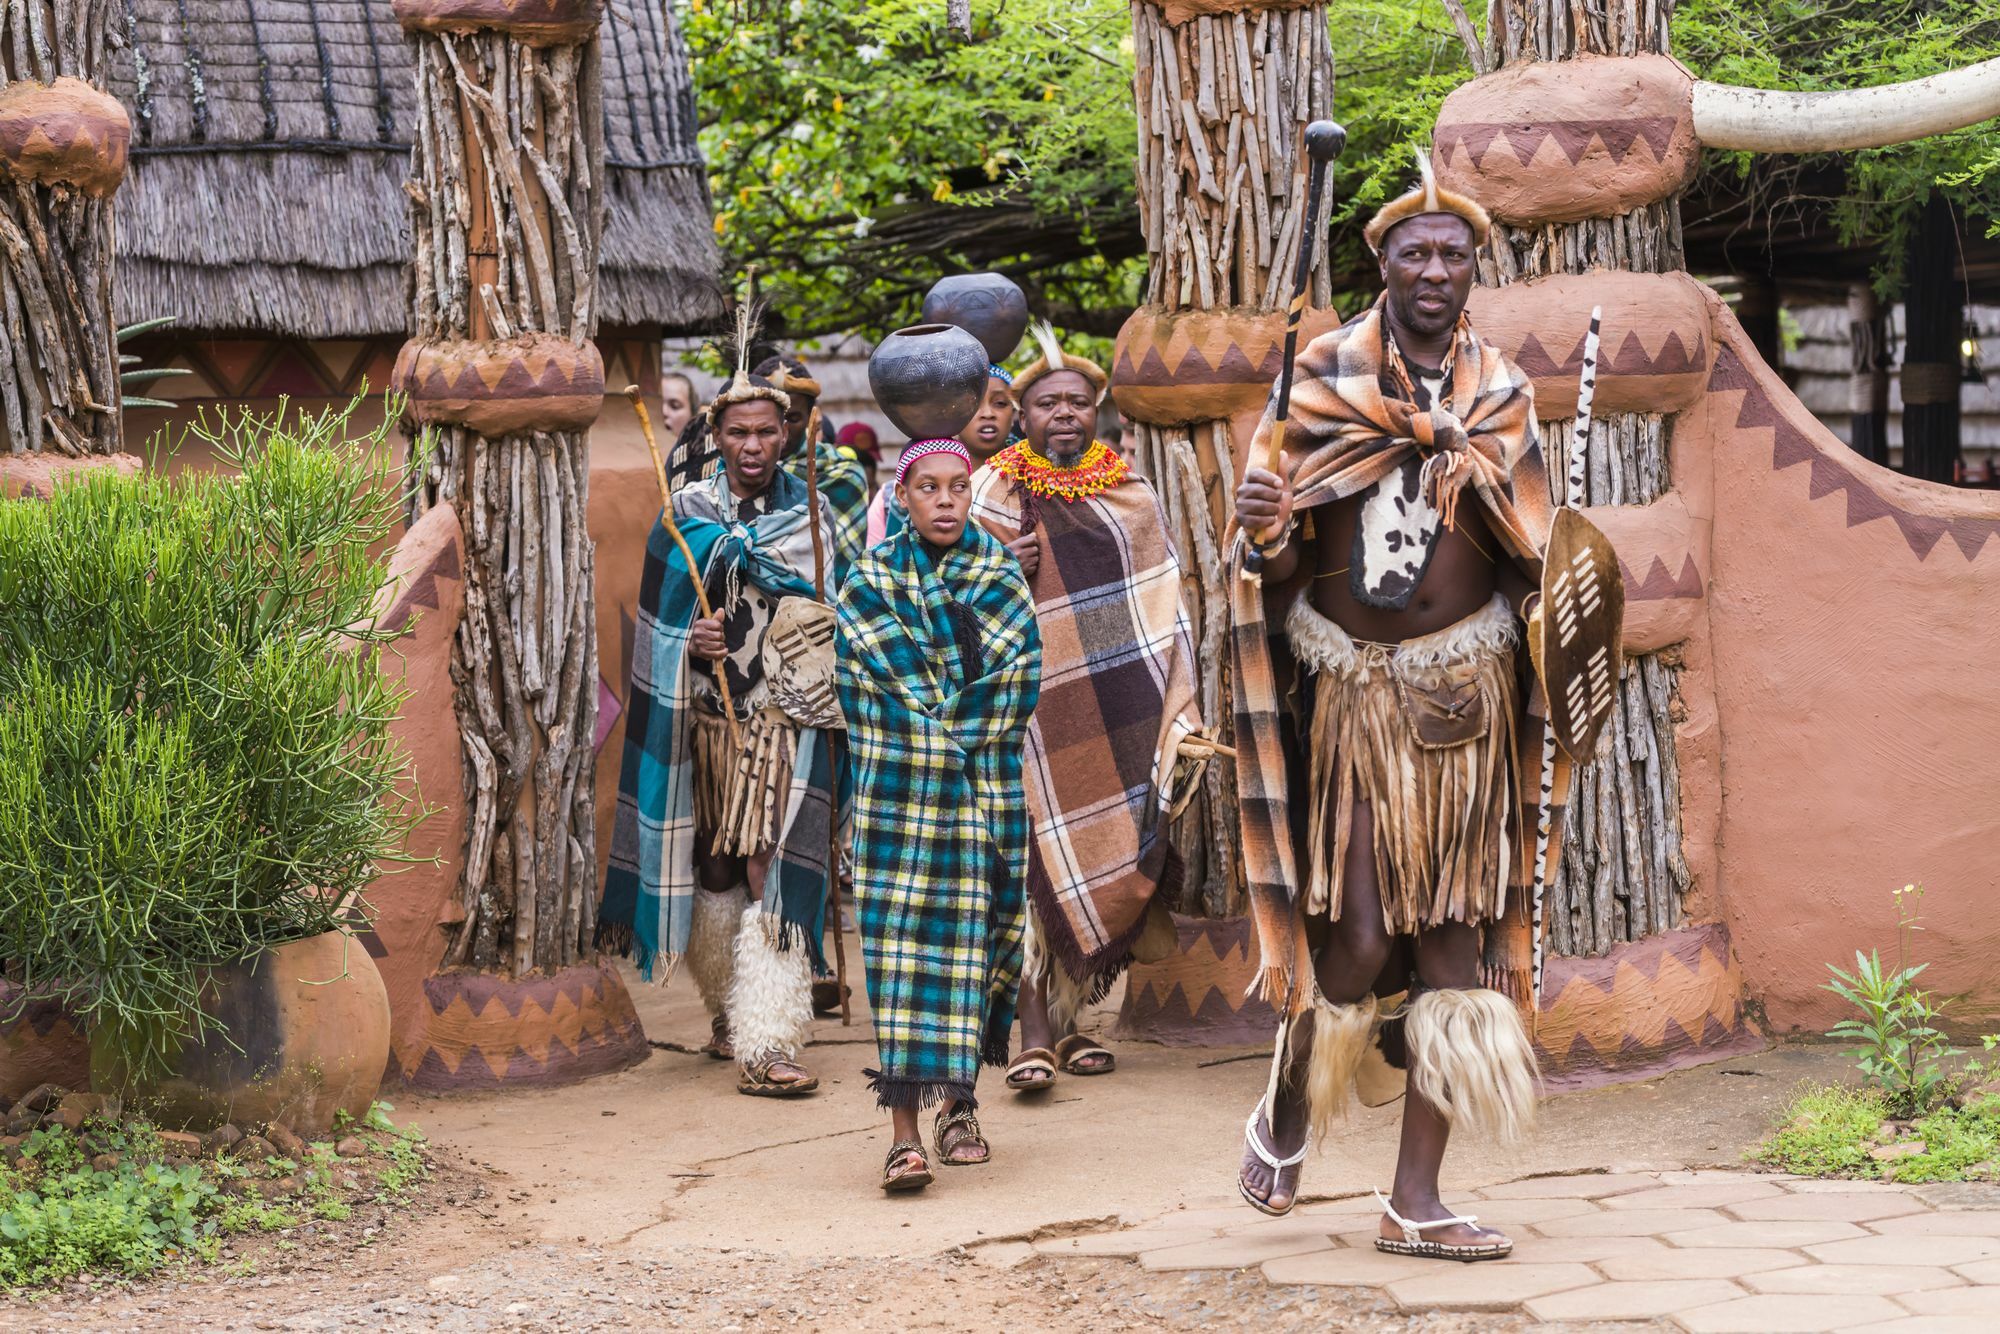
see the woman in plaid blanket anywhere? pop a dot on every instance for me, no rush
(1114, 752)
(939, 666)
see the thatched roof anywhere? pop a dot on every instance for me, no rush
(270, 139)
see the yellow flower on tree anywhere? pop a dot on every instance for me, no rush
(941, 191)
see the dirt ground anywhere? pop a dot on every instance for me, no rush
(658, 1198)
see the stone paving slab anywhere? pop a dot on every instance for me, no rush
(1710, 1251)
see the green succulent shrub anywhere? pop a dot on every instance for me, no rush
(195, 758)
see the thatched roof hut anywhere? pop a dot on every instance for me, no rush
(270, 139)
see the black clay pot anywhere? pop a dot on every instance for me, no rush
(928, 379)
(989, 306)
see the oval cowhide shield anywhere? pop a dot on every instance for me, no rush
(1583, 621)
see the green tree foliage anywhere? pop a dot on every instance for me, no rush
(858, 150)
(1830, 44)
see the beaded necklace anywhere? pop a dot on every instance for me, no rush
(1096, 472)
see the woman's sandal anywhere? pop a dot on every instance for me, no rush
(755, 1080)
(967, 1124)
(911, 1178)
(1279, 1167)
(1413, 1241)
(1028, 1062)
(1075, 1049)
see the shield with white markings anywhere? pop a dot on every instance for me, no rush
(1581, 653)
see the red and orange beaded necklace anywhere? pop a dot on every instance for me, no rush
(1095, 473)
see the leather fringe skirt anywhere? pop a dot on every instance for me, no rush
(1442, 813)
(739, 796)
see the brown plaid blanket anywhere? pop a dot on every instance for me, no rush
(1118, 694)
(1352, 422)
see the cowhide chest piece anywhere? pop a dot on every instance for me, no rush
(1395, 536)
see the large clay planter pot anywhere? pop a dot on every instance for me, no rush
(928, 379)
(41, 1042)
(989, 306)
(296, 1035)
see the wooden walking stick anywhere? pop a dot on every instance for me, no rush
(1324, 142)
(687, 552)
(833, 812)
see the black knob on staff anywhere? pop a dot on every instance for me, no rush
(1324, 141)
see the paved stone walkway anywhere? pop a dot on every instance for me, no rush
(1708, 1251)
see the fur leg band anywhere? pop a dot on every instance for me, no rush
(712, 944)
(1471, 1059)
(1342, 1034)
(770, 998)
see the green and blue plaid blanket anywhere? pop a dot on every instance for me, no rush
(939, 667)
(648, 904)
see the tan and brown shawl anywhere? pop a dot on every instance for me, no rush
(1352, 423)
(1118, 694)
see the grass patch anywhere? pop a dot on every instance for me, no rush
(1831, 1131)
(65, 1213)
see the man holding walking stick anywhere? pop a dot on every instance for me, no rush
(721, 851)
(1396, 511)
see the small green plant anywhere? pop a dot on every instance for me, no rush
(60, 1217)
(1827, 1131)
(1902, 1051)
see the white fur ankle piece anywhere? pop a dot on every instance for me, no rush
(1341, 1034)
(770, 998)
(711, 955)
(1471, 1059)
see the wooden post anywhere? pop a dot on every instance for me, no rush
(1222, 99)
(507, 197)
(1868, 403)
(1933, 326)
(1622, 872)
(58, 348)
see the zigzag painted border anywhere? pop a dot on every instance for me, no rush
(490, 1032)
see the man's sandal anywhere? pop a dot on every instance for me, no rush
(717, 1047)
(967, 1125)
(1029, 1062)
(755, 1080)
(910, 1178)
(1413, 1241)
(1074, 1050)
(1279, 1167)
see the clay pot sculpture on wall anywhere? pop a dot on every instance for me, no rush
(503, 386)
(296, 1035)
(989, 306)
(928, 379)
(64, 133)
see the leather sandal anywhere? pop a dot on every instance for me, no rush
(717, 1047)
(1033, 1059)
(1414, 1242)
(755, 1080)
(914, 1178)
(1073, 1050)
(967, 1124)
(1254, 1142)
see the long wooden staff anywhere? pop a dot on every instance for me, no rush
(1324, 142)
(1579, 442)
(687, 553)
(832, 811)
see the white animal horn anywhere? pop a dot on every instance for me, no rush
(1771, 121)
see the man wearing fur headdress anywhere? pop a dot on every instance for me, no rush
(1401, 541)
(838, 471)
(726, 797)
(1105, 770)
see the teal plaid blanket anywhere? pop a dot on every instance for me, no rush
(648, 903)
(939, 666)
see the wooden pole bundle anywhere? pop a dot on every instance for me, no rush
(1622, 873)
(506, 196)
(1222, 101)
(58, 344)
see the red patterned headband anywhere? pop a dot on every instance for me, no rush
(919, 449)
